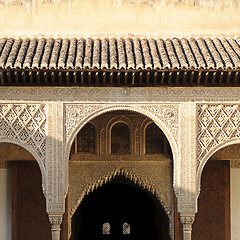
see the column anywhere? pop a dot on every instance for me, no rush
(55, 220)
(187, 221)
(186, 174)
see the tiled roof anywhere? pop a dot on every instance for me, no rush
(121, 53)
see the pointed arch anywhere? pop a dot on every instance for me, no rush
(143, 184)
(34, 154)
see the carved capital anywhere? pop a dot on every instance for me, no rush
(55, 219)
(187, 219)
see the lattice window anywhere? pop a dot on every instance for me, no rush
(120, 139)
(106, 228)
(126, 229)
(86, 139)
(155, 139)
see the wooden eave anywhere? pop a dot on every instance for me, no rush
(119, 62)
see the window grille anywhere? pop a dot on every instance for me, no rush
(106, 228)
(126, 229)
(86, 139)
(120, 139)
(154, 139)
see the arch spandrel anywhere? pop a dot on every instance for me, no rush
(165, 116)
(34, 154)
(218, 127)
(25, 125)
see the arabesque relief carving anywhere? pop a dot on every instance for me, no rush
(167, 113)
(216, 124)
(27, 124)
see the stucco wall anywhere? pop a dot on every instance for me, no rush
(165, 18)
(235, 206)
(5, 204)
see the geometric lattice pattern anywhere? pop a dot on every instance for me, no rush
(26, 123)
(216, 124)
(106, 228)
(126, 229)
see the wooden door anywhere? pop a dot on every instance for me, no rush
(213, 218)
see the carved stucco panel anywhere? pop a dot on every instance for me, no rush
(217, 124)
(153, 177)
(25, 123)
(167, 113)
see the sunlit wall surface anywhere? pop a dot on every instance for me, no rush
(89, 18)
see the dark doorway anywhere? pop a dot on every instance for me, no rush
(214, 203)
(120, 211)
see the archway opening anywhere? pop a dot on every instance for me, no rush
(120, 210)
(218, 203)
(124, 140)
(22, 202)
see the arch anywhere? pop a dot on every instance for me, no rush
(106, 109)
(34, 154)
(143, 128)
(121, 172)
(134, 182)
(111, 123)
(203, 161)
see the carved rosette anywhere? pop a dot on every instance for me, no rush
(216, 124)
(167, 113)
(25, 123)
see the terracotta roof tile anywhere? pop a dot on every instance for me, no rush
(121, 53)
(6, 52)
(39, 53)
(63, 54)
(163, 54)
(87, 63)
(171, 53)
(206, 53)
(105, 54)
(130, 54)
(72, 53)
(231, 53)
(113, 53)
(80, 53)
(157, 64)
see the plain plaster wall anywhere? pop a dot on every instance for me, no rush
(5, 204)
(235, 204)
